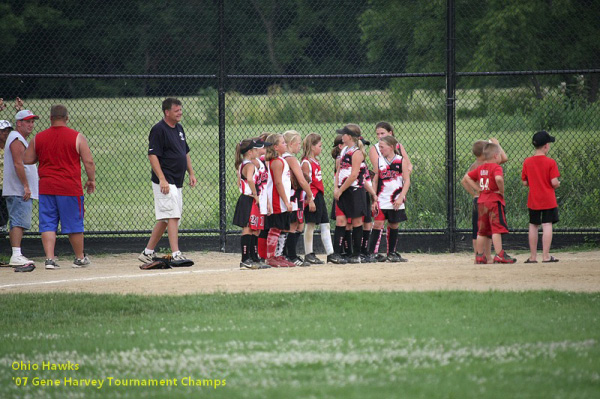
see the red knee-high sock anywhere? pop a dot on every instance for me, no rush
(272, 241)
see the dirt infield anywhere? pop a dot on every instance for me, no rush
(218, 272)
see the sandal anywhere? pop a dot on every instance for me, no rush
(551, 260)
(530, 261)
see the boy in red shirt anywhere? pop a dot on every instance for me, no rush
(477, 150)
(540, 174)
(492, 221)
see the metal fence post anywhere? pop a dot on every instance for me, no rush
(222, 177)
(450, 122)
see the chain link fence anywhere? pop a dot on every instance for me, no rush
(444, 74)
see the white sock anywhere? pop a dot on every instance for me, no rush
(148, 251)
(176, 253)
(326, 238)
(309, 231)
(16, 251)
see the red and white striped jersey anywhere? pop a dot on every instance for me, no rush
(316, 177)
(276, 201)
(390, 181)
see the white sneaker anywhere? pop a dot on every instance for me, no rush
(145, 258)
(179, 256)
(81, 262)
(19, 260)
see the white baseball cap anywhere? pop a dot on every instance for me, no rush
(25, 115)
(5, 125)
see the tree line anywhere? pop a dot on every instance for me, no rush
(152, 37)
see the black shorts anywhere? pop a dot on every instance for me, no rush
(243, 208)
(320, 214)
(369, 216)
(394, 216)
(353, 203)
(475, 218)
(279, 221)
(538, 217)
(332, 216)
(297, 216)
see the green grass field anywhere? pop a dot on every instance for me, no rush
(117, 129)
(306, 345)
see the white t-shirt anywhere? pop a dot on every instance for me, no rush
(12, 184)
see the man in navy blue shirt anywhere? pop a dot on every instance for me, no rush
(169, 157)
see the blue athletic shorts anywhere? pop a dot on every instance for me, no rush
(66, 209)
(19, 211)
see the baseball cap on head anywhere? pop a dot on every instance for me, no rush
(347, 131)
(5, 124)
(258, 143)
(255, 144)
(541, 138)
(25, 115)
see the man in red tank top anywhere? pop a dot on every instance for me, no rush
(59, 151)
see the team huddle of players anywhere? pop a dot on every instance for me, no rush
(283, 198)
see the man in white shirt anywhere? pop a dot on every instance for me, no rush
(20, 186)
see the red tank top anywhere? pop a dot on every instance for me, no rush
(316, 178)
(59, 163)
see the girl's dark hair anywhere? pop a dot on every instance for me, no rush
(335, 151)
(386, 126)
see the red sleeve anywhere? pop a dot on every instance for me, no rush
(498, 171)
(474, 174)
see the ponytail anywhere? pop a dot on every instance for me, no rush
(239, 158)
(335, 152)
(361, 147)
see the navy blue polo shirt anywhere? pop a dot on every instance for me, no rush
(169, 145)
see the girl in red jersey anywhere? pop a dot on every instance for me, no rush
(350, 192)
(392, 187)
(247, 212)
(311, 167)
(300, 190)
(279, 189)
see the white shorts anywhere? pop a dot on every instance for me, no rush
(167, 206)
